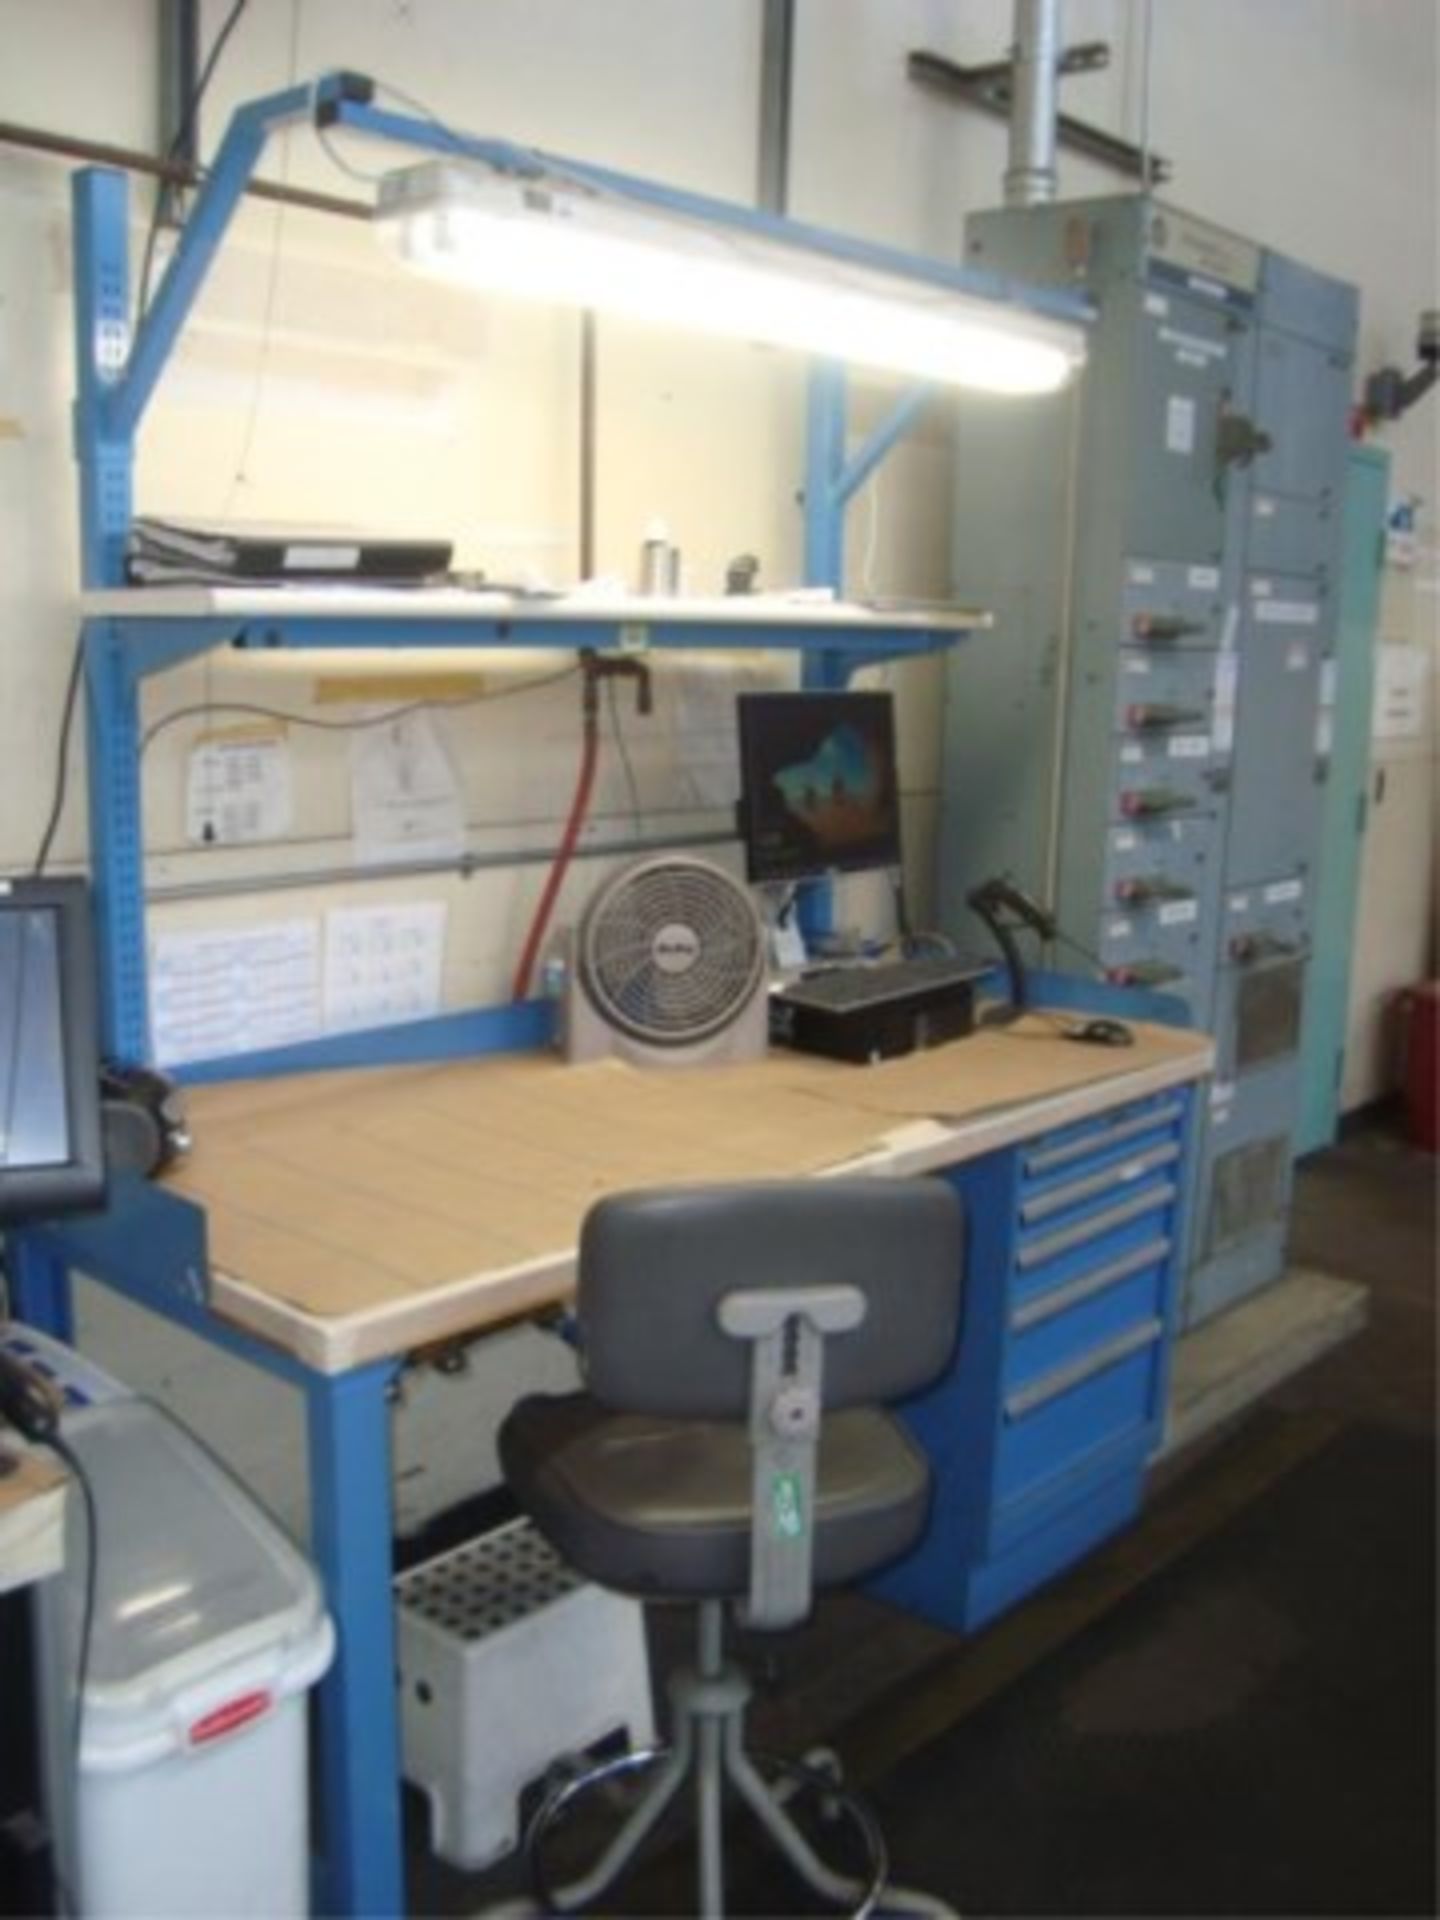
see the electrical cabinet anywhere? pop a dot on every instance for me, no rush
(1145, 744)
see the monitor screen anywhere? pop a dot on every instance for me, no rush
(34, 1125)
(818, 785)
(50, 1149)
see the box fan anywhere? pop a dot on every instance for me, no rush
(667, 967)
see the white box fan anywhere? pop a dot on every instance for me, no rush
(667, 967)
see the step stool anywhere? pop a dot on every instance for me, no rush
(509, 1661)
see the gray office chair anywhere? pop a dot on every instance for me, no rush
(717, 1325)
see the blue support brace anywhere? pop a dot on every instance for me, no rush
(348, 1423)
(39, 1277)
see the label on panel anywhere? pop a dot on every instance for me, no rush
(1287, 613)
(1179, 913)
(1180, 424)
(1204, 253)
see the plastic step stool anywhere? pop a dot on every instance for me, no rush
(509, 1661)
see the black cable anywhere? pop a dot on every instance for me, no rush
(1066, 940)
(201, 709)
(182, 131)
(624, 750)
(62, 759)
(902, 911)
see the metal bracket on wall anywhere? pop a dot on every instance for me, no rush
(988, 87)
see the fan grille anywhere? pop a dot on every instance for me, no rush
(671, 951)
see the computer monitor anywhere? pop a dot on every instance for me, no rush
(818, 785)
(51, 1153)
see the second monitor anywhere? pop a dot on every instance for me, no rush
(819, 792)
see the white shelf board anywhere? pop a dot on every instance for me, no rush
(454, 603)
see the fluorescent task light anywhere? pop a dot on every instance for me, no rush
(559, 241)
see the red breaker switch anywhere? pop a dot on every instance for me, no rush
(1148, 717)
(1141, 803)
(1164, 626)
(1139, 890)
(1143, 973)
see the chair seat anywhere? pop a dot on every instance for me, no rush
(654, 1506)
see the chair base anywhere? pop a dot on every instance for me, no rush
(708, 1752)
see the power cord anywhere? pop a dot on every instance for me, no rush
(62, 759)
(202, 708)
(186, 123)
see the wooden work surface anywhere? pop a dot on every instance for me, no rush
(356, 1215)
(32, 1519)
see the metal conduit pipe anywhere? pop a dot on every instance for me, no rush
(1030, 178)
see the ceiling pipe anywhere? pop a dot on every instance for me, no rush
(777, 70)
(1030, 178)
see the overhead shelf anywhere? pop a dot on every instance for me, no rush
(343, 615)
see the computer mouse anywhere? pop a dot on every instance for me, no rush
(1103, 1033)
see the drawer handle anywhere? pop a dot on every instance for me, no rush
(1064, 1379)
(1048, 1158)
(1096, 1226)
(1046, 1305)
(1118, 1175)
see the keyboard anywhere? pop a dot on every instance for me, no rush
(843, 989)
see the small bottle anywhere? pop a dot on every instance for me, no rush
(655, 559)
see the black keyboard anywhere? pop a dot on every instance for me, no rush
(841, 989)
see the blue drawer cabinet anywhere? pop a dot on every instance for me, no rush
(1040, 1432)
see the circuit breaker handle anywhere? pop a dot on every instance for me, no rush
(1238, 440)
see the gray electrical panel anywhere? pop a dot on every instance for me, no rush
(1142, 742)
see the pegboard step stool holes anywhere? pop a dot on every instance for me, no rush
(508, 1662)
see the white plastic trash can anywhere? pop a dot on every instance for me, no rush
(191, 1794)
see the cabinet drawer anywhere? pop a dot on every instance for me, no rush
(1082, 1184)
(1058, 1249)
(1051, 1423)
(1087, 1311)
(1066, 1150)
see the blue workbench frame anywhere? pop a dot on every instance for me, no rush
(150, 1245)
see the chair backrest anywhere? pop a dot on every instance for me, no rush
(655, 1265)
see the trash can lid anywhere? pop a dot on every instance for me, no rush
(191, 1574)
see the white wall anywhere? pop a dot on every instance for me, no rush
(317, 384)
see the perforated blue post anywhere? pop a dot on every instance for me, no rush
(100, 205)
(117, 841)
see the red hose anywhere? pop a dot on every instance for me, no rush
(564, 853)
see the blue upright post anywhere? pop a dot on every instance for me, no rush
(348, 1418)
(100, 202)
(117, 841)
(39, 1284)
(824, 462)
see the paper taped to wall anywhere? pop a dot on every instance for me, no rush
(1402, 675)
(405, 800)
(383, 964)
(234, 990)
(237, 786)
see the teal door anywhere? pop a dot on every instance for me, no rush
(1322, 1040)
